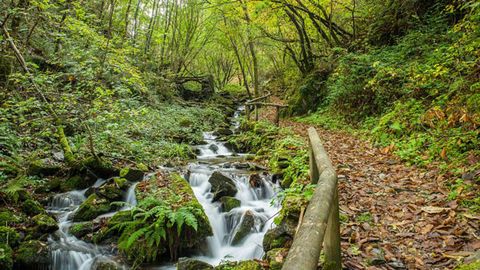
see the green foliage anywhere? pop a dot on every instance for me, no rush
(155, 225)
(286, 153)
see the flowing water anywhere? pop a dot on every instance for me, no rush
(70, 253)
(256, 201)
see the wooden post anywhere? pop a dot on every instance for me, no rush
(277, 116)
(331, 243)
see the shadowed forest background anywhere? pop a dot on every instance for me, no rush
(115, 89)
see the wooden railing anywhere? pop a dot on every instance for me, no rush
(258, 102)
(320, 224)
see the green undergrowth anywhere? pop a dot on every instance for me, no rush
(285, 152)
(418, 99)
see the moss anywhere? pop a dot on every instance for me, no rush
(32, 207)
(43, 167)
(91, 208)
(469, 266)
(6, 260)
(8, 217)
(192, 264)
(228, 203)
(291, 207)
(179, 194)
(242, 265)
(276, 257)
(9, 236)
(110, 192)
(44, 223)
(79, 230)
(120, 182)
(75, 182)
(30, 253)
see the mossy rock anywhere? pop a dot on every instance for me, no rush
(8, 217)
(6, 257)
(81, 229)
(110, 192)
(228, 203)
(98, 168)
(75, 182)
(276, 257)
(192, 264)
(9, 236)
(32, 207)
(247, 225)
(222, 185)
(242, 265)
(91, 208)
(105, 264)
(181, 192)
(44, 167)
(44, 224)
(32, 254)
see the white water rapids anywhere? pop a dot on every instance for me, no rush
(70, 253)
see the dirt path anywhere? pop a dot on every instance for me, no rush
(398, 215)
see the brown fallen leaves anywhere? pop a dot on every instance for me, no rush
(411, 224)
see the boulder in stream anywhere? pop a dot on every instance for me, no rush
(222, 185)
(192, 264)
(91, 208)
(44, 224)
(228, 203)
(246, 226)
(101, 263)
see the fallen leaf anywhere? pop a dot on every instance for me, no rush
(433, 209)
(426, 229)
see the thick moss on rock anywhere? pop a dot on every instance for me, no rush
(6, 260)
(282, 235)
(32, 207)
(228, 203)
(222, 186)
(8, 217)
(192, 264)
(79, 230)
(32, 254)
(243, 265)
(180, 192)
(276, 257)
(110, 192)
(75, 182)
(91, 208)
(44, 167)
(45, 223)
(9, 236)
(247, 225)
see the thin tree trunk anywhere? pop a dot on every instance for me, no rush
(251, 47)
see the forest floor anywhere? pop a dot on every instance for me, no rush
(393, 216)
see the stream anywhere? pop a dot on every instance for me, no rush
(70, 253)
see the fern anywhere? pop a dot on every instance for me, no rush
(155, 224)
